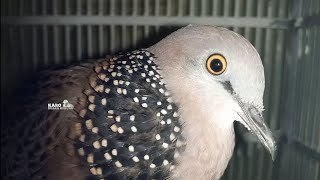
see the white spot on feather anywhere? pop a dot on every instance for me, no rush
(165, 145)
(120, 130)
(135, 159)
(134, 129)
(118, 164)
(158, 137)
(135, 99)
(152, 166)
(114, 152)
(104, 143)
(107, 156)
(163, 111)
(131, 148)
(114, 128)
(146, 157)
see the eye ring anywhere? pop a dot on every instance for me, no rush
(216, 64)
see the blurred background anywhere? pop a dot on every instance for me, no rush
(36, 34)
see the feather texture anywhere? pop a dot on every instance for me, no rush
(124, 124)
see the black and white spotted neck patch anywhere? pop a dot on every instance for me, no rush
(130, 124)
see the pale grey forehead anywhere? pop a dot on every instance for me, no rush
(217, 39)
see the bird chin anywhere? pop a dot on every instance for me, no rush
(252, 119)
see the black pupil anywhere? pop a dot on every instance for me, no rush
(216, 65)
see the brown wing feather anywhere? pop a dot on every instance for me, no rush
(37, 142)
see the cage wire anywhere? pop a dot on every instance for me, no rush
(40, 33)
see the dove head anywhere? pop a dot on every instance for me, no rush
(186, 53)
(215, 76)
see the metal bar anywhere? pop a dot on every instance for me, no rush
(181, 7)
(233, 174)
(34, 48)
(156, 13)
(146, 31)
(56, 54)
(67, 33)
(55, 33)
(112, 8)
(316, 113)
(79, 42)
(311, 101)
(204, 8)
(308, 169)
(191, 8)
(54, 7)
(231, 169)
(300, 89)
(44, 7)
(278, 23)
(124, 37)
(45, 44)
(112, 38)
(11, 8)
(100, 39)
(67, 44)
(21, 8)
(146, 13)
(78, 10)
(134, 35)
(146, 8)
(241, 166)
(217, 8)
(67, 8)
(78, 31)
(123, 8)
(157, 8)
(299, 166)
(100, 7)
(227, 8)
(309, 96)
(4, 12)
(89, 42)
(169, 8)
(135, 8)
(22, 59)
(292, 161)
(89, 7)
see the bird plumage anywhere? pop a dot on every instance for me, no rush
(207, 108)
(130, 126)
(156, 113)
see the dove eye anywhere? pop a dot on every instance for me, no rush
(216, 64)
